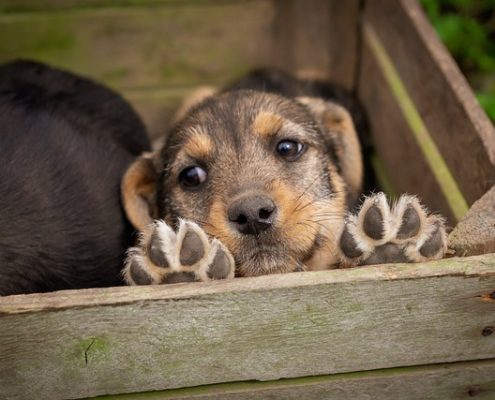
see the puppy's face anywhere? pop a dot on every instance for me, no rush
(256, 171)
(261, 173)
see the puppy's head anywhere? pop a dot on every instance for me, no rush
(267, 175)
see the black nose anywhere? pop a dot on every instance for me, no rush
(252, 214)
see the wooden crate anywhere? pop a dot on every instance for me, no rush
(416, 331)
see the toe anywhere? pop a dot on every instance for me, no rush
(410, 224)
(435, 243)
(192, 249)
(222, 266)
(348, 244)
(135, 273)
(373, 223)
(155, 251)
(374, 218)
(193, 244)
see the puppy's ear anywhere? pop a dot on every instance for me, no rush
(139, 192)
(336, 123)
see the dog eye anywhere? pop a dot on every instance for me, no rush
(290, 149)
(192, 176)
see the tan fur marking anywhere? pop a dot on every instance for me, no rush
(295, 215)
(199, 145)
(138, 192)
(217, 226)
(267, 124)
(337, 119)
(338, 123)
(329, 254)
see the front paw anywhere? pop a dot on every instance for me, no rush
(381, 234)
(164, 256)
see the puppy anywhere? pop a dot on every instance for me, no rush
(65, 144)
(258, 179)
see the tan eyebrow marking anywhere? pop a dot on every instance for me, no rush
(198, 145)
(267, 124)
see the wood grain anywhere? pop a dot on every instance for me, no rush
(317, 38)
(393, 140)
(15, 6)
(153, 52)
(166, 45)
(459, 127)
(436, 382)
(85, 343)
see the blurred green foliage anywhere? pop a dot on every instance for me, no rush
(467, 27)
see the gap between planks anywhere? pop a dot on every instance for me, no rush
(253, 387)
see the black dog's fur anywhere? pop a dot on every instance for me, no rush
(65, 144)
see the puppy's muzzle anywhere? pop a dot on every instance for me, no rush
(252, 214)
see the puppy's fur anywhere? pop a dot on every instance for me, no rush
(65, 144)
(233, 136)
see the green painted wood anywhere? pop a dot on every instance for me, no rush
(454, 381)
(75, 344)
(393, 139)
(429, 151)
(459, 127)
(143, 47)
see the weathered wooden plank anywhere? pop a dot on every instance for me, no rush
(434, 382)
(146, 47)
(157, 106)
(318, 38)
(460, 128)
(393, 139)
(11, 6)
(76, 344)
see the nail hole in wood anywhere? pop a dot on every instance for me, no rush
(473, 391)
(487, 331)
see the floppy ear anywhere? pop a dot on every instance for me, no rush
(337, 125)
(138, 191)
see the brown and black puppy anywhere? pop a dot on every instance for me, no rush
(258, 179)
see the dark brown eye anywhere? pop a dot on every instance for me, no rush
(192, 176)
(290, 149)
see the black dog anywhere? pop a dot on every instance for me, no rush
(65, 144)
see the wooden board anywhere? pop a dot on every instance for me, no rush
(145, 47)
(436, 382)
(394, 141)
(149, 52)
(317, 38)
(75, 344)
(459, 127)
(12, 6)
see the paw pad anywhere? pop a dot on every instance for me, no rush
(373, 223)
(222, 262)
(403, 232)
(163, 256)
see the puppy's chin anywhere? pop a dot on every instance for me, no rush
(265, 260)
(264, 263)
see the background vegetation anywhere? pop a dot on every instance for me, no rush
(467, 27)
